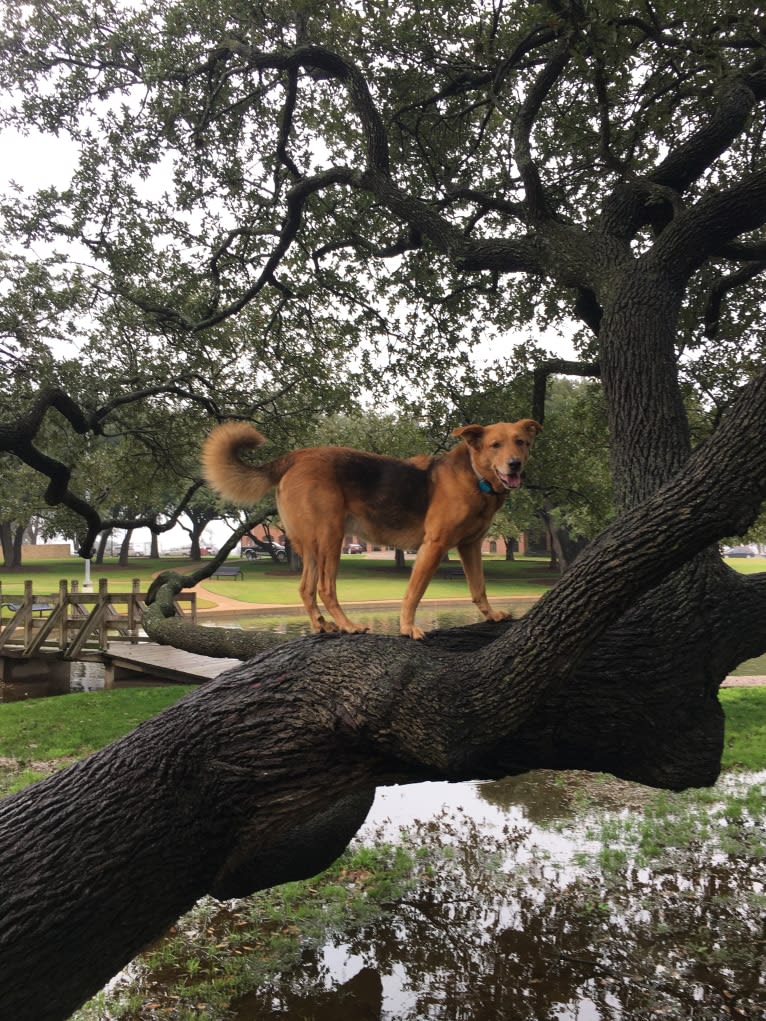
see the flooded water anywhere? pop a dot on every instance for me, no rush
(532, 898)
(517, 920)
(381, 619)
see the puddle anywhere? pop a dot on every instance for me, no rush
(513, 912)
(380, 619)
(519, 922)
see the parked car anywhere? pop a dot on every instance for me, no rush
(271, 550)
(354, 547)
(738, 551)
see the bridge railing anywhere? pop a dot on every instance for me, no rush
(73, 621)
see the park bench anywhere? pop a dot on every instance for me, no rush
(228, 571)
(40, 608)
(452, 572)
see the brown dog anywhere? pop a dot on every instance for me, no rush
(433, 503)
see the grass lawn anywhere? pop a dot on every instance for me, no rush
(359, 579)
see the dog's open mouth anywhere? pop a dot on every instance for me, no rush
(512, 481)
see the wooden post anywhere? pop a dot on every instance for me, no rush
(28, 604)
(64, 603)
(103, 602)
(109, 673)
(134, 614)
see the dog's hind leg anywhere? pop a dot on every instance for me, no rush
(470, 557)
(328, 571)
(308, 590)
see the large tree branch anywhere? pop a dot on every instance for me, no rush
(530, 175)
(318, 58)
(656, 198)
(703, 229)
(721, 288)
(728, 113)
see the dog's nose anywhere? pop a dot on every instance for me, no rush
(514, 464)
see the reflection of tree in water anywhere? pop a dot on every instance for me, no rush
(541, 793)
(475, 942)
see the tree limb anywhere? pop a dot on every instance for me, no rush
(723, 286)
(552, 367)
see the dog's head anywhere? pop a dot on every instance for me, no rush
(500, 451)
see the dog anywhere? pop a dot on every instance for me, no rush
(432, 503)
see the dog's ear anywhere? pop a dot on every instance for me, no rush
(530, 427)
(472, 434)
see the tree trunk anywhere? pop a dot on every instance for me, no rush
(103, 539)
(6, 540)
(18, 544)
(564, 549)
(194, 537)
(124, 558)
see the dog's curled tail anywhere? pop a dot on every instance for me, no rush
(226, 472)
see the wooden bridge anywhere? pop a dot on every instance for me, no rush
(42, 635)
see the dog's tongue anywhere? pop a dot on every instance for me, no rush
(510, 481)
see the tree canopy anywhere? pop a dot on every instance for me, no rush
(273, 202)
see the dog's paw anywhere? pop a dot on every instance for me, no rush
(498, 615)
(413, 632)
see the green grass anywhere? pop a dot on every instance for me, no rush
(745, 740)
(378, 581)
(75, 725)
(359, 580)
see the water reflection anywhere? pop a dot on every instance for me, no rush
(506, 918)
(480, 942)
(495, 932)
(381, 620)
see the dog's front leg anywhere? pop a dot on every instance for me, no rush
(429, 556)
(470, 557)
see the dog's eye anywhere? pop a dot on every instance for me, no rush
(496, 445)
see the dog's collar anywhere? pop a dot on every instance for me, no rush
(484, 486)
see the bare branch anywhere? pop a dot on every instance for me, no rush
(698, 232)
(533, 188)
(553, 367)
(723, 286)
